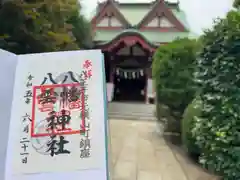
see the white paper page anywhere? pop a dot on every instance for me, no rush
(37, 150)
(7, 75)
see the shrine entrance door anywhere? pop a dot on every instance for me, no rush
(129, 85)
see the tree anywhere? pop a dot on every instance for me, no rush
(236, 3)
(217, 128)
(81, 29)
(37, 26)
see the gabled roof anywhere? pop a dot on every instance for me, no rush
(151, 4)
(128, 37)
(160, 8)
(137, 14)
(134, 13)
(109, 8)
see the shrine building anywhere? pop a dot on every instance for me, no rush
(128, 34)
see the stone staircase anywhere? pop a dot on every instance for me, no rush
(131, 111)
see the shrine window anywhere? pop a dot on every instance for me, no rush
(104, 22)
(113, 22)
(160, 21)
(164, 22)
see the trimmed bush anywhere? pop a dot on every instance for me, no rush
(165, 117)
(173, 68)
(188, 139)
(218, 128)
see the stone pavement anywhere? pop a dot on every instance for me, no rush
(137, 153)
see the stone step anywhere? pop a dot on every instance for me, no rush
(114, 104)
(131, 108)
(134, 113)
(128, 117)
(131, 113)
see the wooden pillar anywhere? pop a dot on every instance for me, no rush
(149, 77)
(112, 68)
(146, 86)
(112, 74)
(111, 77)
(131, 51)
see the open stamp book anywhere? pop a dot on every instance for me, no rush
(58, 125)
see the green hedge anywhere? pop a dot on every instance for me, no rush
(218, 128)
(173, 68)
(164, 115)
(188, 124)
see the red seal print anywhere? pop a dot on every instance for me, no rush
(59, 106)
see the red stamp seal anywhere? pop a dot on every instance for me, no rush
(60, 108)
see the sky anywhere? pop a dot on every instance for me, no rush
(200, 13)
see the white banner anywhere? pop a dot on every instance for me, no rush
(58, 127)
(150, 89)
(110, 91)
